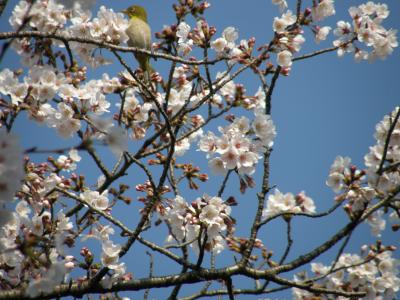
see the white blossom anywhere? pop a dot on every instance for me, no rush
(110, 254)
(63, 120)
(234, 148)
(264, 129)
(287, 19)
(281, 3)
(322, 33)
(185, 220)
(227, 42)
(219, 44)
(285, 58)
(9, 85)
(95, 199)
(324, 8)
(181, 147)
(184, 42)
(278, 203)
(368, 30)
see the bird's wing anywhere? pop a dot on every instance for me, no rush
(139, 34)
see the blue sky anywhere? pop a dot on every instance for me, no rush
(328, 106)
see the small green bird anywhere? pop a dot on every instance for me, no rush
(139, 34)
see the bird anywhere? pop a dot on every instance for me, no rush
(139, 33)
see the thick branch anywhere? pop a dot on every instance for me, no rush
(101, 44)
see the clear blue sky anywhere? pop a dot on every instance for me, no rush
(326, 107)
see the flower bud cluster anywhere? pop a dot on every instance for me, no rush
(193, 7)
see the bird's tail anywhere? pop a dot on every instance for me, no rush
(144, 62)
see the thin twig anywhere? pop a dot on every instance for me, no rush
(387, 141)
(289, 241)
(151, 266)
(223, 185)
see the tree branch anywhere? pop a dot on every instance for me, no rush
(102, 44)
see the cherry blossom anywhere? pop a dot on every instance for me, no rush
(184, 42)
(51, 212)
(324, 9)
(368, 30)
(234, 146)
(281, 3)
(279, 203)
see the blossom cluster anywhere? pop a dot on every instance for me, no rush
(227, 42)
(201, 35)
(383, 162)
(48, 263)
(85, 101)
(367, 29)
(35, 237)
(107, 26)
(346, 179)
(342, 174)
(134, 114)
(110, 253)
(382, 177)
(44, 15)
(202, 223)
(289, 39)
(236, 149)
(288, 203)
(376, 274)
(185, 43)
(95, 199)
(52, 16)
(383, 166)
(322, 10)
(226, 46)
(36, 228)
